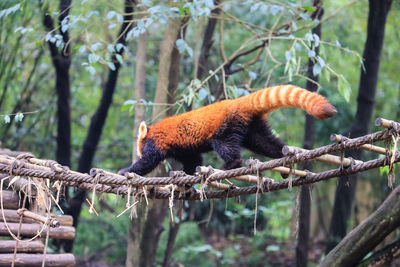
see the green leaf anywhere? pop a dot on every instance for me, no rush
(93, 58)
(7, 119)
(19, 117)
(111, 65)
(196, 83)
(272, 248)
(252, 75)
(128, 104)
(203, 93)
(344, 88)
(119, 58)
(308, 8)
(327, 75)
(316, 69)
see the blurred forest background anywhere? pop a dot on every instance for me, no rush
(77, 76)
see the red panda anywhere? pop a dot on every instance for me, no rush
(224, 127)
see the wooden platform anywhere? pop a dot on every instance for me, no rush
(31, 253)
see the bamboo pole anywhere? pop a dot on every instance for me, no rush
(327, 158)
(337, 138)
(286, 170)
(386, 123)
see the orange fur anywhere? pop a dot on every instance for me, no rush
(197, 126)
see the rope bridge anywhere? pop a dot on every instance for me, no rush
(180, 185)
(19, 223)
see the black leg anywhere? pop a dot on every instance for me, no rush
(149, 160)
(229, 150)
(190, 162)
(261, 140)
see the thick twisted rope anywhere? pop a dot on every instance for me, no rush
(113, 183)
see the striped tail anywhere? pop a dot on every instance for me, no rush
(271, 98)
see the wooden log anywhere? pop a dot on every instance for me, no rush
(337, 138)
(30, 230)
(13, 217)
(7, 246)
(367, 235)
(10, 199)
(331, 159)
(32, 260)
(64, 220)
(38, 218)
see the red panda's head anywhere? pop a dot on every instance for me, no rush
(141, 138)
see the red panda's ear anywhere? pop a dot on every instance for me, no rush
(142, 130)
(141, 135)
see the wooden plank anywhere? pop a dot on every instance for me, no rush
(7, 246)
(30, 230)
(33, 260)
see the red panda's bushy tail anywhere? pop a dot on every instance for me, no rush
(271, 98)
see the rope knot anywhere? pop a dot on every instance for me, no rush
(205, 174)
(267, 182)
(395, 128)
(20, 211)
(347, 169)
(15, 165)
(254, 165)
(53, 222)
(55, 166)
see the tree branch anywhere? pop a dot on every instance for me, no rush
(366, 236)
(232, 60)
(384, 256)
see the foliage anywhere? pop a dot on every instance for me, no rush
(100, 234)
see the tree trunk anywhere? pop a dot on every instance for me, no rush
(366, 236)
(173, 233)
(342, 209)
(151, 226)
(98, 120)
(62, 61)
(136, 225)
(140, 85)
(166, 51)
(305, 191)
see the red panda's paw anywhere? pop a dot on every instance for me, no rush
(237, 163)
(123, 171)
